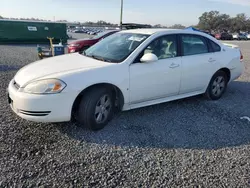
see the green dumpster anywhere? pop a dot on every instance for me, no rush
(32, 32)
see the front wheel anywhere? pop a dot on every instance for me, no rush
(217, 86)
(96, 108)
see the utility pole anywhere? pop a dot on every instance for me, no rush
(121, 14)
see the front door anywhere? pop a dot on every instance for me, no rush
(159, 79)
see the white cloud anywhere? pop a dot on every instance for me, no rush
(236, 2)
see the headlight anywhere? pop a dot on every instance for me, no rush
(46, 86)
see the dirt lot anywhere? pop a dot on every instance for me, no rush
(186, 143)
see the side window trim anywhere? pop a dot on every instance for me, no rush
(210, 43)
(187, 34)
(140, 54)
(210, 47)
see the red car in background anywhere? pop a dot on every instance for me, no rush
(83, 44)
(224, 36)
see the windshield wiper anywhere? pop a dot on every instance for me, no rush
(99, 58)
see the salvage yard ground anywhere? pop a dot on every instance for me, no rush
(186, 143)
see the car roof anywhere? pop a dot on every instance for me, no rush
(150, 31)
(156, 31)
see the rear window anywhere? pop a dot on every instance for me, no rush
(193, 45)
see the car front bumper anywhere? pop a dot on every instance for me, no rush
(40, 108)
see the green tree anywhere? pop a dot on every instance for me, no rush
(158, 26)
(248, 25)
(223, 22)
(177, 26)
(239, 23)
(209, 20)
(1, 17)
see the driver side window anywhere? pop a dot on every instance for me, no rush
(163, 47)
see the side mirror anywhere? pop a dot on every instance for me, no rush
(149, 57)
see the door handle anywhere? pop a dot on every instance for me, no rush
(173, 65)
(211, 60)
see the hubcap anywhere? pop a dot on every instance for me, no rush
(218, 86)
(102, 109)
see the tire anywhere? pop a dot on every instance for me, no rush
(219, 81)
(90, 103)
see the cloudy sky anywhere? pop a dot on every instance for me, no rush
(166, 12)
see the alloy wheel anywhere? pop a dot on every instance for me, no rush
(218, 86)
(102, 109)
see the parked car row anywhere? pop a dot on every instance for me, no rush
(232, 36)
(83, 44)
(90, 30)
(241, 36)
(224, 36)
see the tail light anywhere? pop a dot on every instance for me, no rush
(241, 56)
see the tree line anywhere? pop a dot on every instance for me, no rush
(215, 21)
(212, 21)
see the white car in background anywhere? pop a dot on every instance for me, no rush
(239, 36)
(248, 36)
(127, 70)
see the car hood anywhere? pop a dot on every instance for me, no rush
(54, 65)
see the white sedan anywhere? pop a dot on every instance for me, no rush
(127, 70)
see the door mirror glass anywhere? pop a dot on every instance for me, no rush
(149, 57)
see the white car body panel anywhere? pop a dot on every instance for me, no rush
(59, 64)
(201, 66)
(146, 86)
(142, 84)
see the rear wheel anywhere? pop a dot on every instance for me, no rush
(217, 86)
(96, 108)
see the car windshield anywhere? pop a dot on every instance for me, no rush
(116, 48)
(101, 34)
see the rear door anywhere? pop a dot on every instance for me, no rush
(199, 63)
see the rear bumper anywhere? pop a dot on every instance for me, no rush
(41, 108)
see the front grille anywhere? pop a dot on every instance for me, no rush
(16, 85)
(34, 113)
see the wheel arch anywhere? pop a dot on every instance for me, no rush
(224, 69)
(119, 97)
(227, 71)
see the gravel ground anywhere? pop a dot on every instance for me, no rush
(186, 143)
